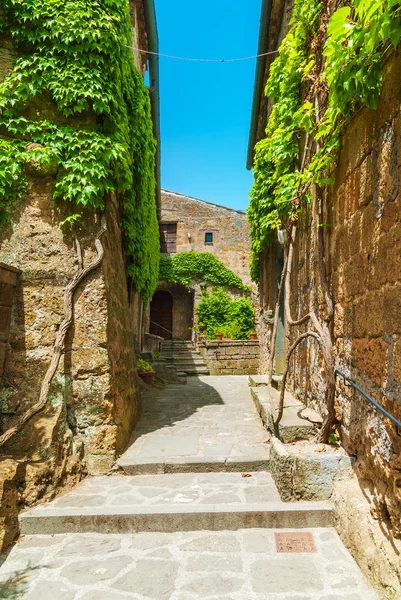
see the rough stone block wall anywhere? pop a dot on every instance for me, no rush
(94, 398)
(8, 283)
(231, 240)
(363, 241)
(237, 357)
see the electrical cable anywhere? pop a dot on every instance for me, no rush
(202, 60)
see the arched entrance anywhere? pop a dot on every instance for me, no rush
(161, 314)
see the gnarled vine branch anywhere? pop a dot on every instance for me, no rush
(59, 343)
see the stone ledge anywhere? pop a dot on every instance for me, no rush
(292, 426)
(179, 517)
(307, 471)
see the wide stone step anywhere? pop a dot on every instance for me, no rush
(173, 503)
(193, 464)
(293, 426)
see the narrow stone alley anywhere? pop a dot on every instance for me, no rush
(190, 512)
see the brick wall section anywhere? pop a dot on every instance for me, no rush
(235, 357)
(8, 283)
(231, 240)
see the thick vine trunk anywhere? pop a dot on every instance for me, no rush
(59, 343)
(276, 319)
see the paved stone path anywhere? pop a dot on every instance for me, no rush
(179, 488)
(186, 535)
(210, 420)
(240, 565)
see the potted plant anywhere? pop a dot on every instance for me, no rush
(253, 335)
(219, 337)
(145, 371)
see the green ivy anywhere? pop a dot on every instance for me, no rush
(219, 313)
(186, 267)
(76, 58)
(358, 37)
(276, 155)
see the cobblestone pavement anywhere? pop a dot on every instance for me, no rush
(209, 417)
(241, 565)
(179, 488)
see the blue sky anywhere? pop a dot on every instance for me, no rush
(205, 108)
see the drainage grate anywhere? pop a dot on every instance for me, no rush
(295, 542)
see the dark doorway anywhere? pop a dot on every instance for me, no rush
(161, 315)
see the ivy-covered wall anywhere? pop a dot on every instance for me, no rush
(76, 141)
(74, 92)
(334, 133)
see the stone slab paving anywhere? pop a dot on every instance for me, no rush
(225, 565)
(172, 502)
(212, 421)
(179, 488)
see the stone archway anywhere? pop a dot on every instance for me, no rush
(161, 314)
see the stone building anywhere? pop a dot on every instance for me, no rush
(188, 224)
(363, 208)
(94, 398)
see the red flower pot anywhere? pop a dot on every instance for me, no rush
(253, 336)
(219, 337)
(147, 377)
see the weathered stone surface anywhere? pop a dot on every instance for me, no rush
(231, 357)
(363, 208)
(307, 471)
(94, 399)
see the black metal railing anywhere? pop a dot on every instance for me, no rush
(173, 336)
(376, 404)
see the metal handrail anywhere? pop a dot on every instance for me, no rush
(371, 400)
(168, 331)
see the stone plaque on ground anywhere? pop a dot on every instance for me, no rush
(295, 542)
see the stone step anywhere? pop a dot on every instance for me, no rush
(292, 426)
(258, 380)
(277, 382)
(196, 371)
(190, 464)
(176, 345)
(173, 503)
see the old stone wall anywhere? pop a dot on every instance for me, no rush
(94, 398)
(8, 283)
(363, 240)
(230, 229)
(231, 357)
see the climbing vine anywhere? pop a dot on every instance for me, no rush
(75, 90)
(186, 267)
(329, 64)
(358, 38)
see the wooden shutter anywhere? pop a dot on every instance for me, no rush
(168, 238)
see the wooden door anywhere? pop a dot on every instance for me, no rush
(161, 315)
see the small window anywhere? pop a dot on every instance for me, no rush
(208, 238)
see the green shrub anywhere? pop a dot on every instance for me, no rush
(144, 366)
(219, 313)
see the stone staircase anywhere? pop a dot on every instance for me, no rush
(172, 522)
(184, 356)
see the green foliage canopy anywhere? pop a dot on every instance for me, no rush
(186, 267)
(76, 55)
(218, 313)
(359, 35)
